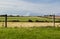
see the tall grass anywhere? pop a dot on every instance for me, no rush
(30, 33)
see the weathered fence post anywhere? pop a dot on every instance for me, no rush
(54, 20)
(6, 21)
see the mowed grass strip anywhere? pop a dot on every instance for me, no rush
(30, 33)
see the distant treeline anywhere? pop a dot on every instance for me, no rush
(22, 16)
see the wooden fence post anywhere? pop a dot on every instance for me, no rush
(54, 20)
(6, 21)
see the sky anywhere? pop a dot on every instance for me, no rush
(30, 7)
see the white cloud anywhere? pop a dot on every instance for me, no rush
(16, 6)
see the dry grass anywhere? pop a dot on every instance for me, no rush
(28, 24)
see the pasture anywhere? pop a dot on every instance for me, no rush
(26, 19)
(30, 33)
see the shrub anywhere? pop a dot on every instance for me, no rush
(30, 20)
(37, 21)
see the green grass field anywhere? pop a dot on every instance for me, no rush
(25, 19)
(30, 33)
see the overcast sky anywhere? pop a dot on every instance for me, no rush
(27, 7)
